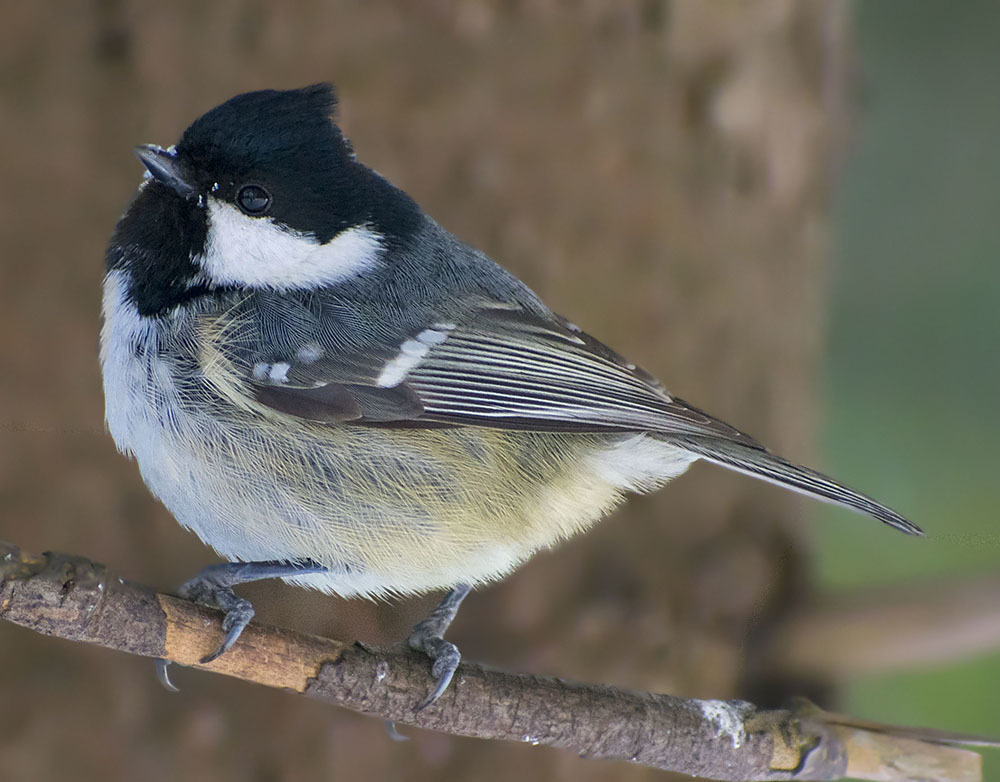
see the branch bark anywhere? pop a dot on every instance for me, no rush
(73, 598)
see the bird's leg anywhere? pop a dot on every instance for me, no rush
(428, 637)
(213, 587)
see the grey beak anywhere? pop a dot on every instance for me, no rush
(162, 164)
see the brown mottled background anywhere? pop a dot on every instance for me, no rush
(662, 172)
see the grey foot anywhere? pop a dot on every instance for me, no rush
(428, 637)
(213, 587)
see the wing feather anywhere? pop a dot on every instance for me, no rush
(501, 366)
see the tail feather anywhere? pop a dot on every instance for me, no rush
(766, 466)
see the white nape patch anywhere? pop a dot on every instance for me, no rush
(411, 353)
(257, 251)
(727, 717)
(260, 370)
(640, 463)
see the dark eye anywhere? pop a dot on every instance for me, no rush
(253, 199)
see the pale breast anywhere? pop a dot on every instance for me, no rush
(387, 510)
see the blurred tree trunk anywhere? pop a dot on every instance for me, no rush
(658, 172)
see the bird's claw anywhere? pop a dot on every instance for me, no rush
(239, 612)
(445, 658)
(238, 616)
(428, 637)
(213, 587)
(163, 674)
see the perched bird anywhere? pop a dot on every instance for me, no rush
(329, 388)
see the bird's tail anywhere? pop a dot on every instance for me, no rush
(764, 465)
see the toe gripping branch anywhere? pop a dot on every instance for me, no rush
(428, 637)
(213, 587)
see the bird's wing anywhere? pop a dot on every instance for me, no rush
(499, 366)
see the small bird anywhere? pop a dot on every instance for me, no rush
(329, 388)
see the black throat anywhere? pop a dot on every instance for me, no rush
(155, 242)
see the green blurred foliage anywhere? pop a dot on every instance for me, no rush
(915, 318)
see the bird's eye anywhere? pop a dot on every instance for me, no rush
(253, 200)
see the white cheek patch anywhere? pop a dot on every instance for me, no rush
(256, 251)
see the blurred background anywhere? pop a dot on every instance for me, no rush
(786, 211)
(914, 321)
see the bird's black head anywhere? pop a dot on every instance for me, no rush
(262, 191)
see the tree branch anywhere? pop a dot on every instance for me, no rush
(74, 598)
